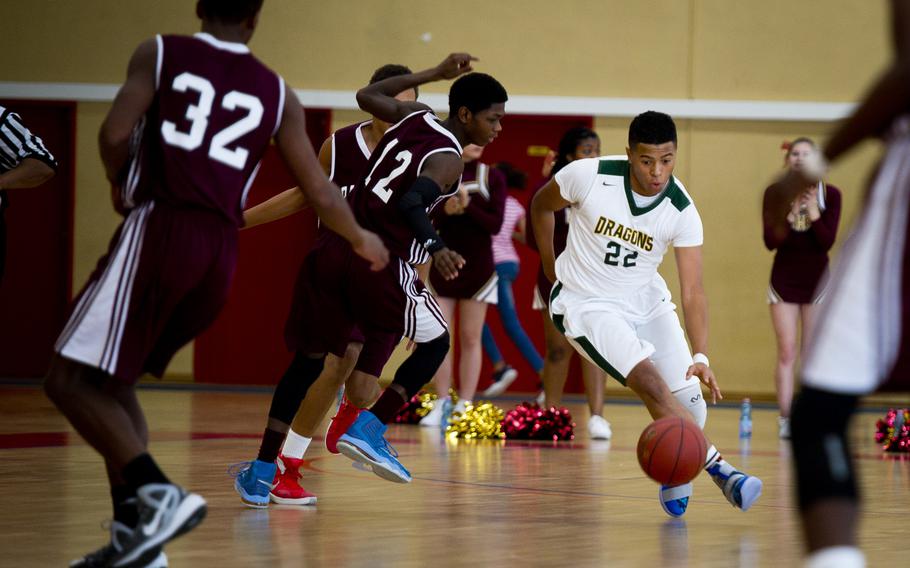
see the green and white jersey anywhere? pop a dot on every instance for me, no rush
(614, 246)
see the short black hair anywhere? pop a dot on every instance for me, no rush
(652, 127)
(569, 143)
(230, 11)
(476, 92)
(391, 70)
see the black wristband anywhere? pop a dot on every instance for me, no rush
(433, 246)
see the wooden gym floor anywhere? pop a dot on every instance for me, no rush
(486, 503)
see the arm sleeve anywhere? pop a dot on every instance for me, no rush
(690, 232)
(18, 138)
(413, 206)
(825, 229)
(489, 213)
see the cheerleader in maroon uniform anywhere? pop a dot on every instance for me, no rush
(467, 224)
(798, 275)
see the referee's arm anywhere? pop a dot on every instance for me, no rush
(24, 160)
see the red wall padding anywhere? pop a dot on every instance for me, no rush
(35, 290)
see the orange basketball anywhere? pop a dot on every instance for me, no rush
(672, 450)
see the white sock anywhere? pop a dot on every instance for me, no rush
(295, 445)
(714, 457)
(839, 556)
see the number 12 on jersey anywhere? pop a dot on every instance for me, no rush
(382, 186)
(614, 250)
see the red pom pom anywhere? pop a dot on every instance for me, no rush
(529, 421)
(893, 431)
(416, 408)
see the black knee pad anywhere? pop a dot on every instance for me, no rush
(821, 451)
(293, 386)
(418, 369)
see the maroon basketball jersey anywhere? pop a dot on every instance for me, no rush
(393, 168)
(199, 145)
(350, 156)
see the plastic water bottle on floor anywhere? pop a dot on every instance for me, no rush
(745, 419)
(446, 414)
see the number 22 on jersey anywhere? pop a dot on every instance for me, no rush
(614, 250)
(198, 115)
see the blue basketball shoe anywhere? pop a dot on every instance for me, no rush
(364, 443)
(253, 481)
(675, 499)
(741, 490)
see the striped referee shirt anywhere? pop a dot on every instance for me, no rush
(18, 143)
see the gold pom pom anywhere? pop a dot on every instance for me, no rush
(427, 402)
(481, 420)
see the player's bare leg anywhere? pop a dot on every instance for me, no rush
(324, 391)
(79, 393)
(286, 488)
(107, 415)
(556, 362)
(361, 391)
(741, 490)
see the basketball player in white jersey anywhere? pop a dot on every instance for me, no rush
(624, 212)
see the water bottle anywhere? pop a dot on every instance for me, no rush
(446, 414)
(745, 419)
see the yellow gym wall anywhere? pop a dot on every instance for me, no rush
(774, 50)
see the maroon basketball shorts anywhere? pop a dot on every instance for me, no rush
(861, 340)
(377, 348)
(336, 291)
(471, 284)
(163, 281)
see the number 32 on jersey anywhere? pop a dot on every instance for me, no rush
(198, 115)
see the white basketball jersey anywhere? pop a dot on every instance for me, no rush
(614, 247)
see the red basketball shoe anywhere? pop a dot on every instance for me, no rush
(346, 415)
(286, 488)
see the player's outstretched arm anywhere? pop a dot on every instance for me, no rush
(379, 99)
(439, 173)
(288, 201)
(887, 99)
(30, 172)
(132, 101)
(695, 312)
(543, 221)
(276, 207)
(322, 195)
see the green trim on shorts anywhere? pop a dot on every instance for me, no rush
(558, 322)
(555, 291)
(599, 359)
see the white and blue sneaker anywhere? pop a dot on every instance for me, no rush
(364, 443)
(675, 499)
(741, 490)
(253, 481)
